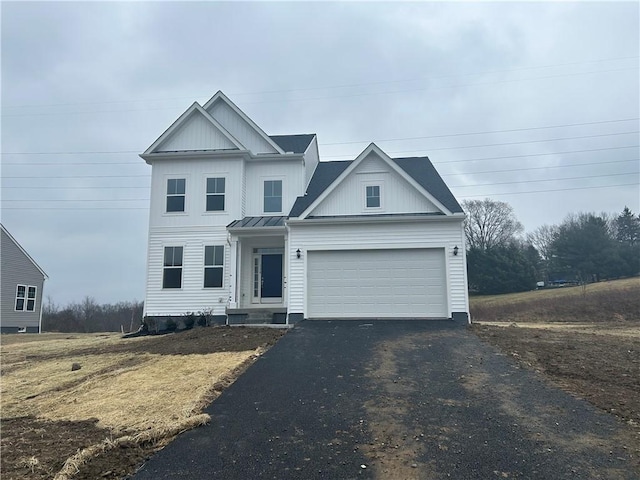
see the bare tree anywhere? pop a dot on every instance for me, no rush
(489, 223)
(542, 238)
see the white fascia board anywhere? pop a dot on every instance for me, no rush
(275, 157)
(371, 219)
(395, 167)
(337, 181)
(398, 169)
(256, 231)
(195, 107)
(24, 252)
(219, 96)
(180, 155)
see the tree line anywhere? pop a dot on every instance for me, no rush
(88, 316)
(585, 247)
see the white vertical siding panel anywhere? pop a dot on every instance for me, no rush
(397, 195)
(196, 172)
(197, 133)
(311, 160)
(240, 129)
(427, 234)
(292, 175)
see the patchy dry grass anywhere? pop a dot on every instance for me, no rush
(617, 301)
(140, 391)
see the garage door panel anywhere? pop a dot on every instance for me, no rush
(377, 283)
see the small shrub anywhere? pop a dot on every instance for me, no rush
(171, 325)
(189, 320)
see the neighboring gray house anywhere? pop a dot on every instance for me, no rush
(21, 282)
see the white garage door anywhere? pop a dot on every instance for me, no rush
(377, 284)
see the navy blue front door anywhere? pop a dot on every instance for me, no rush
(271, 268)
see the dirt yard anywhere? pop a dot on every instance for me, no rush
(127, 399)
(586, 340)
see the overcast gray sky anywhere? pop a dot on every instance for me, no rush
(535, 104)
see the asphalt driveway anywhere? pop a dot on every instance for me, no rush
(395, 400)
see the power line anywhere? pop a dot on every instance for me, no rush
(548, 191)
(505, 143)
(335, 156)
(452, 186)
(545, 180)
(483, 133)
(264, 92)
(118, 187)
(461, 196)
(435, 163)
(353, 95)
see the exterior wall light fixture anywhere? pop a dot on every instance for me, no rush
(455, 250)
(298, 252)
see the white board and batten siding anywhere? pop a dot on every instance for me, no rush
(192, 296)
(396, 194)
(428, 242)
(289, 171)
(240, 129)
(197, 133)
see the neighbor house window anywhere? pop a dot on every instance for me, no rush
(215, 194)
(175, 194)
(272, 196)
(213, 265)
(25, 298)
(172, 273)
(373, 196)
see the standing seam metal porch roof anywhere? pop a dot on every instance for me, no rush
(257, 222)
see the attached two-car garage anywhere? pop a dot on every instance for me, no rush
(383, 283)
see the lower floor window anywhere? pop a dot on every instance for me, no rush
(25, 298)
(213, 266)
(172, 273)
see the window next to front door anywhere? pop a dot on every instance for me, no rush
(272, 196)
(172, 272)
(213, 266)
(176, 189)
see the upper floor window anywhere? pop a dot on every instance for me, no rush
(373, 196)
(176, 188)
(25, 298)
(272, 196)
(215, 194)
(213, 266)
(172, 272)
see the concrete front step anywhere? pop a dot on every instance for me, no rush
(251, 316)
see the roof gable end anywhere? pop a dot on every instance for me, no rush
(195, 129)
(240, 125)
(6, 232)
(373, 148)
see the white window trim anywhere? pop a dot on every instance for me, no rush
(25, 298)
(268, 179)
(226, 193)
(166, 194)
(162, 266)
(372, 183)
(205, 266)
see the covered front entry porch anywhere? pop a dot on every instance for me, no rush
(258, 291)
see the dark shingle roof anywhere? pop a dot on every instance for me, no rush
(257, 222)
(293, 143)
(324, 175)
(422, 171)
(418, 168)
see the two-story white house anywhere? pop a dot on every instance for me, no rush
(242, 222)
